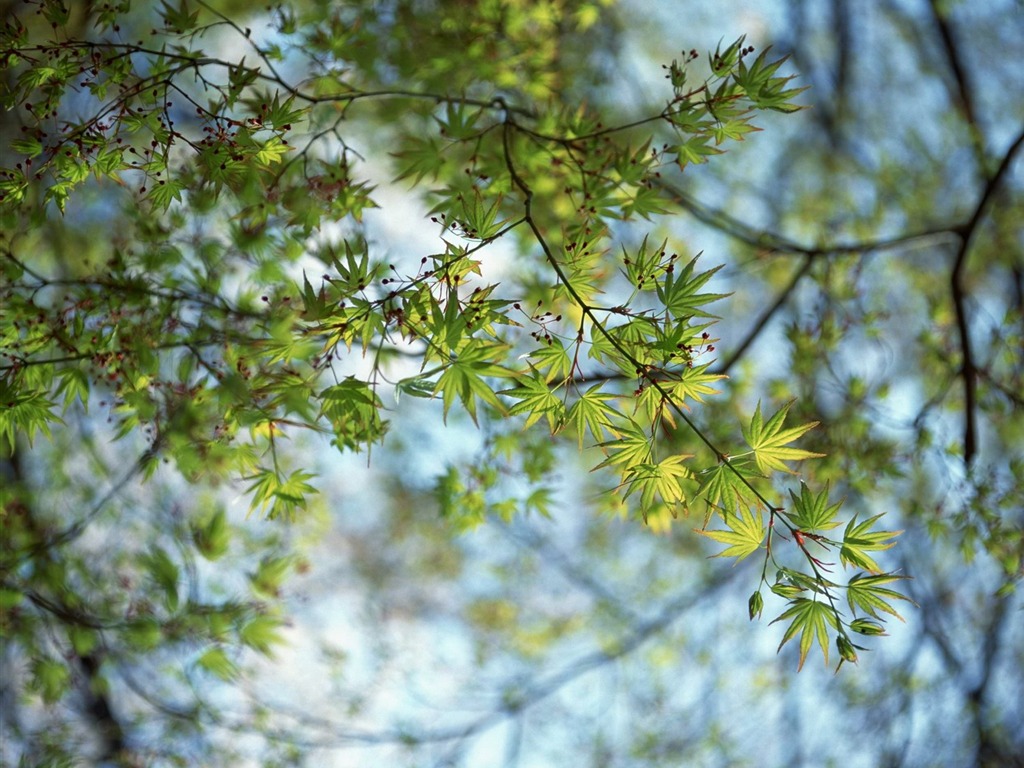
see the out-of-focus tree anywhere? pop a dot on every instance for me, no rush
(905, 322)
(194, 264)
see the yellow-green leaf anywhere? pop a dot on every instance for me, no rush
(744, 534)
(768, 441)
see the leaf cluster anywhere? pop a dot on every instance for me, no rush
(219, 348)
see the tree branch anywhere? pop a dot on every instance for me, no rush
(961, 89)
(968, 369)
(761, 322)
(776, 243)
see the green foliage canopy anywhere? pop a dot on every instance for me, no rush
(238, 303)
(214, 347)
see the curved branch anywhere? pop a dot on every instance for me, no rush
(968, 369)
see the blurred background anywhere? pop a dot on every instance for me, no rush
(874, 247)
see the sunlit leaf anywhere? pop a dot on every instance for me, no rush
(859, 539)
(744, 533)
(769, 441)
(812, 512)
(811, 619)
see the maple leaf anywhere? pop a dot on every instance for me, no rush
(858, 540)
(811, 619)
(768, 441)
(746, 530)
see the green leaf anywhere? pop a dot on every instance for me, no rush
(644, 202)
(768, 441)
(722, 62)
(812, 620)
(26, 412)
(846, 650)
(801, 581)
(464, 377)
(592, 412)
(629, 450)
(755, 605)
(480, 221)
(216, 661)
(723, 488)
(163, 193)
(74, 385)
(537, 400)
(416, 387)
(83, 640)
(212, 538)
(679, 292)
(735, 129)
(110, 160)
(281, 115)
(744, 533)
(642, 265)
(867, 627)
(13, 185)
(144, 634)
(30, 147)
(271, 151)
(695, 151)
(867, 594)
(459, 121)
(280, 496)
(423, 158)
(763, 89)
(9, 598)
(262, 634)
(540, 501)
(554, 358)
(240, 77)
(811, 512)
(314, 303)
(164, 572)
(663, 480)
(858, 540)
(788, 591)
(694, 383)
(178, 19)
(355, 272)
(271, 573)
(354, 410)
(51, 679)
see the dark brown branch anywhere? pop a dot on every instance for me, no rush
(961, 90)
(97, 708)
(968, 368)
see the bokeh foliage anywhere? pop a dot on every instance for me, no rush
(189, 269)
